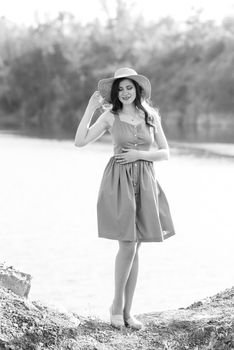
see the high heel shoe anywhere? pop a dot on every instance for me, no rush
(116, 321)
(133, 323)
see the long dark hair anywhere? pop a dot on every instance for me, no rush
(117, 104)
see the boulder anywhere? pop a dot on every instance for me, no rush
(17, 281)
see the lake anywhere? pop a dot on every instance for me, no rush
(49, 228)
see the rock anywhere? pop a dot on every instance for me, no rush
(18, 282)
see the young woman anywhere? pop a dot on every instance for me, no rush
(131, 207)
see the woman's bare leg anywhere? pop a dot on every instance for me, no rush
(123, 265)
(131, 284)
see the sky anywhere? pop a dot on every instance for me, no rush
(27, 11)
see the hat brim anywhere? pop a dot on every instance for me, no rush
(105, 85)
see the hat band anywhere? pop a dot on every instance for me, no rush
(123, 75)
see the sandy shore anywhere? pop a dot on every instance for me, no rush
(218, 149)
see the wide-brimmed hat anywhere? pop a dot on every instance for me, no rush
(105, 85)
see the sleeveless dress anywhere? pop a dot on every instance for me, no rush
(131, 205)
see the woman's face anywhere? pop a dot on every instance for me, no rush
(127, 92)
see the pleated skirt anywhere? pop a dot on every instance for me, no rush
(131, 204)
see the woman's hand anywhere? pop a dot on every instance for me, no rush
(128, 156)
(96, 100)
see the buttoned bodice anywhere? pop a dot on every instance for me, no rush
(126, 135)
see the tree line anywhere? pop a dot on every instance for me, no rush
(48, 71)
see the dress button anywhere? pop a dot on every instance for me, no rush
(135, 164)
(135, 144)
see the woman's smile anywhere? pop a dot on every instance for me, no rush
(127, 91)
(126, 97)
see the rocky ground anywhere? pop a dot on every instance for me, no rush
(31, 325)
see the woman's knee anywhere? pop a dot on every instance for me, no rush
(138, 246)
(128, 248)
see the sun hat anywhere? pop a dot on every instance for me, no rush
(105, 85)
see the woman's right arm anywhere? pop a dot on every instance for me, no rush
(86, 134)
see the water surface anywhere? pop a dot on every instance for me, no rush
(48, 227)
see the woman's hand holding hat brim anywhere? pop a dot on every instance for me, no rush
(96, 100)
